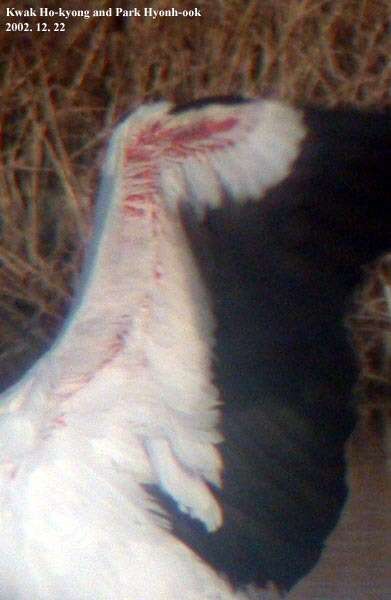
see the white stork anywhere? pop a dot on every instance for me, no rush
(173, 443)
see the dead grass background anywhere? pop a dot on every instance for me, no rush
(62, 93)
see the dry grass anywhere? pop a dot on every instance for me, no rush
(371, 326)
(62, 93)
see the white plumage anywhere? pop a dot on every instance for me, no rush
(125, 397)
(183, 438)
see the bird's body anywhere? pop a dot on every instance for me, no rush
(116, 469)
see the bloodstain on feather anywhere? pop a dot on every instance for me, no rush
(59, 422)
(178, 141)
(134, 211)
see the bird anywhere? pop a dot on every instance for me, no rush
(183, 436)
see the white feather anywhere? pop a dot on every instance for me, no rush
(125, 397)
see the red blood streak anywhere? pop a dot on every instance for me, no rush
(118, 343)
(202, 130)
(144, 148)
(59, 422)
(134, 211)
(146, 174)
(137, 154)
(138, 198)
(158, 274)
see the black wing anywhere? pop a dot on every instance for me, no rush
(281, 273)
